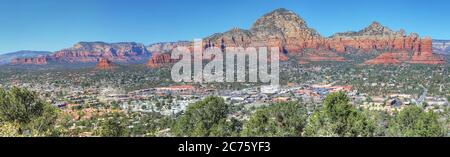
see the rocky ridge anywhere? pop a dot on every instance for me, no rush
(441, 47)
(280, 28)
(93, 52)
(34, 57)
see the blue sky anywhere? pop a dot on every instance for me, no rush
(55, 24)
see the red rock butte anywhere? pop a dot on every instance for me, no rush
(285, 29)
(159, 60)
(41, 60)
(105, 64)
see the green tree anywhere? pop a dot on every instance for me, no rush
(115, 125)
(281, 120)
(30, 115)
(339, 118)
(200, 118)
(44, 124)
(413, 121)
(20, 105)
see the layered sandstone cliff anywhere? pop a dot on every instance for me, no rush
(15, 57)
(159, 60)
(398, 47)
(161, 52)
(40, 60)
(286, 30)
(92, 52)
(281, 28)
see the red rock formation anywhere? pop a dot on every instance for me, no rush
(159, 60)
(281, 28)
(85, 52)
(368, 44)
(325, 56)
(379, 38)
(385, 58)
(283, 57)
(105, 64)
(425, 55)
(284, 29)
(303, 62)
(93, 51)
(41, 60)
(422, 54)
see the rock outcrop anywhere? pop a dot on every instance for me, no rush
(399, 47)
(165, 47)
(426, 55)
(375, 37)
(441, 47)
(419, 52)
(388, 58)
(40, 60)
(159, 60)
(285, 29)
(93, 51)
(37, 57)
(320, 56)
(281, 28)
(105, 64)
(161, 53)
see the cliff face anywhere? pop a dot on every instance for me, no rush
(375, 37)
(426, 55)
(159, 60)
(165, 47)
(399, 47)
(389, 58)
(161, 53)
(94, 51)
(280, 28)
(285, 29)
(411, 50)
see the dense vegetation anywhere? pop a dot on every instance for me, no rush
(22, 113)
(205, 118)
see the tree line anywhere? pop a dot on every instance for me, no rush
(337, 118)
(22, 113)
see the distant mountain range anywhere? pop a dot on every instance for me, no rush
(441, 47)
(280, 28)
(8, 57)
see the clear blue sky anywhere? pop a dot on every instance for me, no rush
(55, 24)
